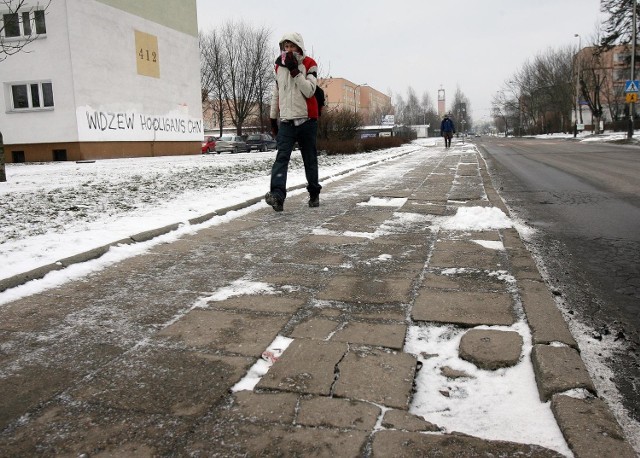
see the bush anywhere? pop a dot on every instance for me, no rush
(338, 125)
(332, 147)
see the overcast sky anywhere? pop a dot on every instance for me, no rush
(473, 44)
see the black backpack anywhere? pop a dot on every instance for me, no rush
(319, 95)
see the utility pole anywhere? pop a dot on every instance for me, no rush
(633, 70)
(577, 105)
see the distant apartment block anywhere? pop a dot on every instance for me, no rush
(103, 79)
(613, 68)
(342, 94)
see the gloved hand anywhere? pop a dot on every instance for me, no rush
(292, 64)
(274, 127)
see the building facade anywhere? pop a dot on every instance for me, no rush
(103, 79)
(342, 94)
(612, 68)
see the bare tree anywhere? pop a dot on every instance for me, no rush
(461, 111)
(212, 75)
(400, 105)
(592, 79)
(22, 24)
(430, 115)
(505, 111)
(413, 111)
(541, 93)
(244, 51)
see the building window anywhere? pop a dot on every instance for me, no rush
(17, 25)
(17, 156)
(35, 96)
(620, 74)
(59, 154)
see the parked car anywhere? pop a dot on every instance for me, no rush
(209, 145)
(231, 144)
(261, 142)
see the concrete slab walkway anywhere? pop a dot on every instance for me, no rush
(139, 359)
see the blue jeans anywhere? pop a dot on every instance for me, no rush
(305, 135)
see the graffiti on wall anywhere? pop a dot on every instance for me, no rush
(96, 125)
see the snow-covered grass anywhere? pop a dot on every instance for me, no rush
(54, 210)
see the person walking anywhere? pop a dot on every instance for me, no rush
(293, 101)
(447, 129)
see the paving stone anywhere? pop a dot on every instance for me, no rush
(35, 313)
(465, 281)
(27, 389)
(393, 193)
(522, 265)
(79, 429)
(304, 253)
(376, 334)
(296, 275)
(394, 312)
(266, 303)
(490, 235)
(436, 196)
(463, 308)
(424, 207)
(315, 328)
(404, 421)
(466, 192)
(226, 331)
(265, 407)
(337, 413)
(590, 428)
(238, 439)
(511, 239)
(545, 320)
(465, 254)
(377, 376)
(395, 251)
(356, 223)
(361, 288)
(559, 369)
(335, 240)
(470, 170)
(490, 349)
(399, 443)
(306, 366)
(164, 381)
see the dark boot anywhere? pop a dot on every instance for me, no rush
(314, 201)
(276, 202)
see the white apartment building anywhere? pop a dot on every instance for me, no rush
(103, 79)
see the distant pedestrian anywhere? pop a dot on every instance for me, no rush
(447, 129)
(293, 101)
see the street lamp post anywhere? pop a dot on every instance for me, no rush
(577, 105)
(633, 69)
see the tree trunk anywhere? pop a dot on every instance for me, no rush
(3, 174)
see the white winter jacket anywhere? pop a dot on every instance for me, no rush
(293, 97)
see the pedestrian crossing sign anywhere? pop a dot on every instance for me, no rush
(631, 85)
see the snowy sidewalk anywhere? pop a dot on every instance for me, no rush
(403, 316)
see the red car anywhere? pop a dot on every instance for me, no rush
(209, 145)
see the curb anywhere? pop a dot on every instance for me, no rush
(555, 356)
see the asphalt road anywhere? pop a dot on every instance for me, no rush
(584, 201)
